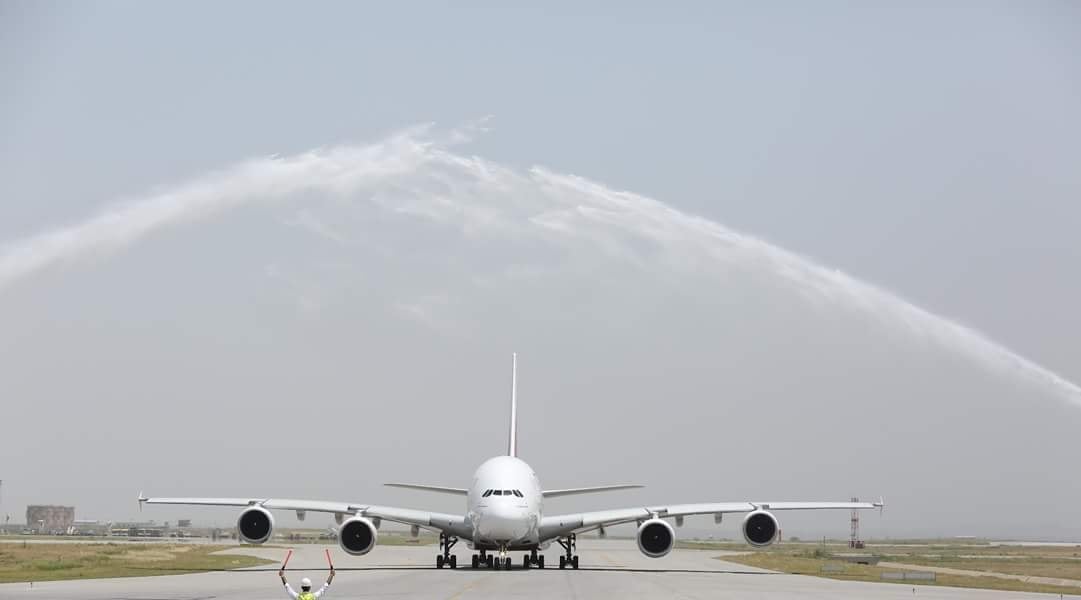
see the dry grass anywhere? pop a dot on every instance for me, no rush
(49, 562)
(809, 559)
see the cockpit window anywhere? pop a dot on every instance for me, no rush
(519, 494)
(506, 492)
(497, 492)
(486, 494)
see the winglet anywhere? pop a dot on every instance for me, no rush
(881, 504)
(142, 500)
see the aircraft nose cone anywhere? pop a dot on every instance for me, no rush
(504, 523)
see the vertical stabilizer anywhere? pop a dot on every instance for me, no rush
(512, 441)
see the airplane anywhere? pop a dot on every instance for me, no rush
(504, 513)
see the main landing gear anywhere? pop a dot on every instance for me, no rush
(446, 558)
(570, 558)
(492, 562)
(485, 560)
(533, 559)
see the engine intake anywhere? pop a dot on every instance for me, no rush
(357, 536)
(760, 528)
(656, 538)
(255, 525)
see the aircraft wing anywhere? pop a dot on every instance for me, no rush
(446, 523)
(430, 488)
(589, 490)
(563, 525)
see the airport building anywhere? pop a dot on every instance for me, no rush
(49, 518)
(139, 529)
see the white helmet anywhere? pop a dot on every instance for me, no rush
(305, 582)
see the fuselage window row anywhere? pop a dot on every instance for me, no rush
(502, 493)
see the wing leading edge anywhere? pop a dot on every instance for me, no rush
(562, 525)
(430, 488)
(446, 523)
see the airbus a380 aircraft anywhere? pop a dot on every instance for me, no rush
(504, 513)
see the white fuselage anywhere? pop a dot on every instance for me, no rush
(504, 503)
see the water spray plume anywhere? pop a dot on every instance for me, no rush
(415, 173)
(331, 170)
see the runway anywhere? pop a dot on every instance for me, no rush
(610, 569)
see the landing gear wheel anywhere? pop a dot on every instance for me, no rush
(570, 558)
(525, 561)
(446, 558)
(476, 561)
(489, 561)
(506, 563)
(540, 561)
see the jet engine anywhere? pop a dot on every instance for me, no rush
(357, 536)
(255, 525)
(655, 538)
(760, 528)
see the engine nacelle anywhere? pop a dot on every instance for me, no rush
(655, 538)
(357, 536)
(760, 528)
(255, 525)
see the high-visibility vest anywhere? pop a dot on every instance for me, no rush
(305, 596)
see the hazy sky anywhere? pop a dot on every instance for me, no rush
(280, 250)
